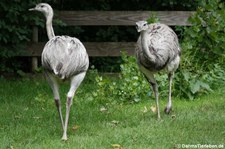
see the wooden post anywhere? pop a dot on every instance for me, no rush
(34, 62)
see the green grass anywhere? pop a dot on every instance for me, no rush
(28, 119)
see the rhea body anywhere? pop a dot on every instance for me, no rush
(63, 57)
(157, 49)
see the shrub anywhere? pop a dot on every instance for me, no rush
(15, 31)
(204, 41)
(203, 49)
(130, 86)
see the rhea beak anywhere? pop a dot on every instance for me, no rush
(31, 9)
(138, 30)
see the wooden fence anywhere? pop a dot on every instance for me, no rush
(106, 18)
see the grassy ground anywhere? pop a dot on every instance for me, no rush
(28, 119)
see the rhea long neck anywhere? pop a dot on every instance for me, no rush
(49, 28)
(146, 48)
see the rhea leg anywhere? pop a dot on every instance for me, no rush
(55, 89)
(150, 77)
(155, 90)
(75, 82)
(169, 104)
(154, 85)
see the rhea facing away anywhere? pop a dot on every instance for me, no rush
(157, 49)
(63, 57)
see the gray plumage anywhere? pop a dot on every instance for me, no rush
(157, 49)
(63, 57)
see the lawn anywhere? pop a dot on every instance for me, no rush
(28, 119)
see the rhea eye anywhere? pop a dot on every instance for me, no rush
(145, 24)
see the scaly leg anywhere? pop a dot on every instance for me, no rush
(155, 89)
(75, 82)
(55, 89)
(58, 106)
(169, 104)
(152, 81)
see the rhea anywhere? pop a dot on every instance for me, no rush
(157, 49)
(63, 57)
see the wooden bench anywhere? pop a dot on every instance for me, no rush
(106, 18)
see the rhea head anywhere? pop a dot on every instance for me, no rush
(44, 8)
(141, 26)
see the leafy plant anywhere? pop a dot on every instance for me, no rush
(189, 85)
(202, 66)
(133, 85)
(129, 86)
(15, 31)
(205, 39)
(153, 18)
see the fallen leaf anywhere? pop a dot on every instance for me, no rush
(36, 117)
(153, 109)
(103, 109)
(17, 116)
(75, 127)
(117, 146)
(145, 110)
(115, 122)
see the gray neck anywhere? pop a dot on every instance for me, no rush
(146, 48)
(49, 28)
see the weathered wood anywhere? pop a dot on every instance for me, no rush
(34, 49)
(34, 60)
(102, 18)
(94, 49)
(123, 17)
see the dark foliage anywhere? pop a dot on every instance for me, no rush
(16, 25)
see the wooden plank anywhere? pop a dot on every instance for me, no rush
(101, 49)
(123, 18)
(33, 49)
(94, 49)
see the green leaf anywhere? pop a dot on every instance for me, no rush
(195, 87)
(205, 86)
